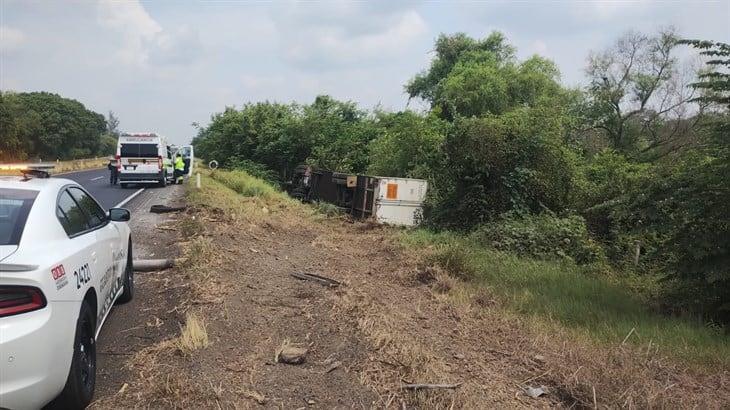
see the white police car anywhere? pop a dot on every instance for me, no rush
(64, 261)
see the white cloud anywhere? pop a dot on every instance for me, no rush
(144, 41)
(10, 39)
(180, 47)
(137, 27)
(352, 38)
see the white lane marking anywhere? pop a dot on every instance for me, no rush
(129, 198)
(97, 178)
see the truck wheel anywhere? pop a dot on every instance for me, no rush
(128, 279)
(79, 389)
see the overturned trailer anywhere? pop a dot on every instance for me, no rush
(396, 201)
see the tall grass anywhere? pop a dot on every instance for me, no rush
(246, 185)
(564, 294)
(239, 194)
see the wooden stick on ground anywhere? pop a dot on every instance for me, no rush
(421, 386)
(316, 278)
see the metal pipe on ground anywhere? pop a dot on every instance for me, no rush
(151, 265)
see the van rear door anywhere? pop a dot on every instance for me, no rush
(140, 158)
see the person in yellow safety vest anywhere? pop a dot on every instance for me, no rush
(179, 169)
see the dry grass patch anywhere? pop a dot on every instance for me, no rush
(160, 382)
(59, 166)
(81, 164)
(399, 356)
(193, 335)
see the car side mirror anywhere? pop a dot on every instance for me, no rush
(119, 215)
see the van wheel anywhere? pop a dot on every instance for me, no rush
(163, 181)
(128, 279)
(79, 389)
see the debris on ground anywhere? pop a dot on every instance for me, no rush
(424, 386)
(535, 392)
(316, 278)
(254, 395)
(333, 366)
(152, 265)
(161, 209)
(290, 353)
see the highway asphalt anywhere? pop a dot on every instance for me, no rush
(96, 181)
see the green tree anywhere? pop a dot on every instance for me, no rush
(450, 50)
(408, 145)
(262, 133)
(481, 84)
(638, 99)
(11, 143)
(339, 134)
(680, 214)
(715, 81)
(328, 133)
(48, 126)
(499, 163)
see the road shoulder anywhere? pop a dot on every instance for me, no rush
(150, 317)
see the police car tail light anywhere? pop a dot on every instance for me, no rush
(119, 161)
(20, 299)
(159, 162)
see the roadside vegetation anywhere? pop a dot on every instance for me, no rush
(627, 178)
(80, 164)
(65, 166)
(44, 126)
(561, 294)
(559, 288)
(435, 306)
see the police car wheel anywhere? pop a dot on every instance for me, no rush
(163, 181)
(79, 389)
(128, 293)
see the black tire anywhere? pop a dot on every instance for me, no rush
(163, 182)
(81, 381)
(299, 193)
(128, 280)
(124, 185)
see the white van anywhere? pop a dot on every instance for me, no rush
(188, 155)
(144, 158)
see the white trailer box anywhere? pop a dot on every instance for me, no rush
(399, 201)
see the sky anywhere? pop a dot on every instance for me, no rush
(162, 65)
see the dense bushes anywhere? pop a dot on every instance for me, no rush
(541, 236)
(681, 215)
(496, 164)
(407, 145)
(328, 133)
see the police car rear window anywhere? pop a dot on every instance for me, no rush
(138, 150)
(15, 206)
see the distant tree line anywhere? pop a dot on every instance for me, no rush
(629, 174)
(49, 127)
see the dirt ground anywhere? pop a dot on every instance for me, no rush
(392, 322)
